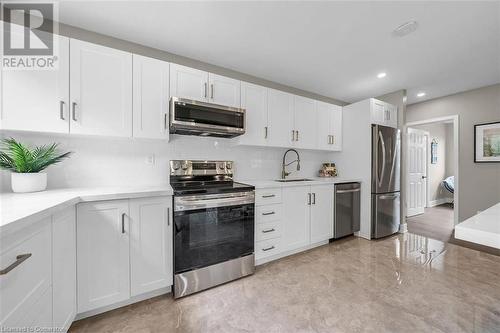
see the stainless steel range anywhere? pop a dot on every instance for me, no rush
(213, 225)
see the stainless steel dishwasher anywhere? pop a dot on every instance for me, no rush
(347, 209)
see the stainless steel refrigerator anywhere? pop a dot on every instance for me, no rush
(386, 156)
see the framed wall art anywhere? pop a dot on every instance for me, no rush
(487, 143)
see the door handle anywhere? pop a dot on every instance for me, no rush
(293, 135)
(265, 132)
(269, 196)
(381, 177)
(309, 199)
(389, 196)
(19, 260)
(297, 135)
(123, 223)
(205, 89)
(268, 230)
(61, 110)
(268, 213)
(314, 198)
(212, 91)
(423, 177)
(73, 111)
(268, 248)
(168, 216)
(348, 191)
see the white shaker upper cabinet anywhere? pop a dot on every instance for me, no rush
(224, 90)
(254, 101)
(305, 123)
(190, 83)
(101, 90)
(151, 94)
(37, 100)
(151, 249)
(329, 126)
(280, 118)
(383, 113)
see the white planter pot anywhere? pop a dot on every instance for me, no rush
(28, 182)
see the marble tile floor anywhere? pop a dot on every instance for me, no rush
(404, 283)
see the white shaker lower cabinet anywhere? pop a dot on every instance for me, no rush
(102, 254)
(25, 277)
(100, 90)
(124, 250)
(151, 251)
(295, 225)
(64, 268)
(321, 213)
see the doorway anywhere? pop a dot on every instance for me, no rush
(432, 177)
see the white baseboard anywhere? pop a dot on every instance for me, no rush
(440, 201)
(129, 301)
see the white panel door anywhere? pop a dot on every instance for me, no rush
(100, 90)
(224, 90)
(38, 100)
(336, 128)
(190, 83)
(254, 101)
(102, 254)
(305, 123)
(151, 97)
(324, 120)
(280, 118)
(64, 267)
(321, 213)
(295, 224)
(151, 250)
(417, 172)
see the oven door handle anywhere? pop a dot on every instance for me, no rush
(219, 198)
(212, 201)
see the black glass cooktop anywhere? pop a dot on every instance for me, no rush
(208, 187)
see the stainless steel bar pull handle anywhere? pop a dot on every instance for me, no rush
(165, 121)
(265, 132)
(268, 230)
(314, 198)
(309, 198)
(293, 135)
(349, 191)
(212, 91)
(123, 223)
(205, 89)
(168, 216)
(269, 196)
(61, 110)
(268, 213)
(19, 260)
(73, 111)
(268, 248)
(297, 138)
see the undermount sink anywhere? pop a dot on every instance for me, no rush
(293, 180)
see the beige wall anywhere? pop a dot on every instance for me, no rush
(479, 184)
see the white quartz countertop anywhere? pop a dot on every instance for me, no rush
(16, 208)
(483, 228)
(271, 183)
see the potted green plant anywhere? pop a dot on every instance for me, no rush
(27, 164)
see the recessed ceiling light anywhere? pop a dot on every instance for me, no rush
(421, 94)
(405, 28)
(381, 75)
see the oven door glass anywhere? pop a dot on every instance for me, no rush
(204, 237)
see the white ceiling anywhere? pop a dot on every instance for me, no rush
(334, 49)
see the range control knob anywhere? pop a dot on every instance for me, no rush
(185, 166)
(221, 166)
(176, 165)
(229, 165)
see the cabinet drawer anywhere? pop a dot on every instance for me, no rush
(267, 248)
(268, 230)
(268, 213)
(25, 258)
(267, 196)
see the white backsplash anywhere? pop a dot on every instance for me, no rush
(99, 161)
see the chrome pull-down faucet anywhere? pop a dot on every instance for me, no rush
(283, 165)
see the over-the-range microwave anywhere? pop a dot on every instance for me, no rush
(190, 117)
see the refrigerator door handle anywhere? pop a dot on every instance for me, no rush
(389, 196)
(381, 140)
(394, 159)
